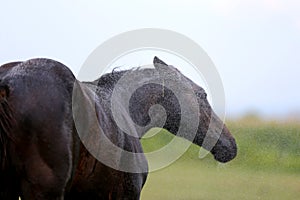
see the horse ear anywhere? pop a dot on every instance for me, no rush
(158, 63)
(162, 67)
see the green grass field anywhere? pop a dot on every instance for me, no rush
(267, 166)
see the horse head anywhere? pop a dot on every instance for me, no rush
(185, 105)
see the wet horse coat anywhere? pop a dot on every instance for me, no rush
(42, 156)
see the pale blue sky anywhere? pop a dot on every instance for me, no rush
(255, 45)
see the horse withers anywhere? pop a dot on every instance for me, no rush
(44, 153)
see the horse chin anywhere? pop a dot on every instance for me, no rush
(224, 157)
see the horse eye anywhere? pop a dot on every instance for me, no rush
(201, 95)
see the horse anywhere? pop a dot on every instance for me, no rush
(55, 130)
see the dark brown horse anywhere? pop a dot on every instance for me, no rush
(54, 130)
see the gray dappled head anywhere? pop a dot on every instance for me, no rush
(212, 134)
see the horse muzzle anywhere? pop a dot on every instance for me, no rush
(225, 149)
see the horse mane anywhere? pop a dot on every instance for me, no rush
(6, 124)
(108, 80)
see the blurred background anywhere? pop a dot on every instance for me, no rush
(255, 46)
